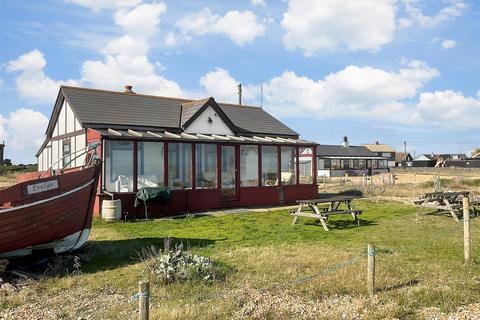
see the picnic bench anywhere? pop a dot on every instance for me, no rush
(311, 209)
(447, 202)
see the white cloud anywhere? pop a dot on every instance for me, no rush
(330, 25)
(97, 5)
(126, 58)
(448, 44)
(239, 26)
(223, 87)
(260, 3)
(32, 82)
(351, 92)
(171, 39)
(141, 22)
(125, 61)
(455, 8)
(23, 132)
(449, 107)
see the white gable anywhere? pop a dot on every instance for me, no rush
(209, 122)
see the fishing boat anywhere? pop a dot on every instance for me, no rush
(52, 212)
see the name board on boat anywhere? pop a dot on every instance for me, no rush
(42, 186)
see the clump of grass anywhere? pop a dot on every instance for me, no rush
(177, 265)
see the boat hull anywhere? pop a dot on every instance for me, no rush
(57, 217)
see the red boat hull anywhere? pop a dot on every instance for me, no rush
(44, 213)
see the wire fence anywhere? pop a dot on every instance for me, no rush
(402, 248)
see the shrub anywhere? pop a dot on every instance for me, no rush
(178, 265)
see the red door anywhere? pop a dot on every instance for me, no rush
(228, 172)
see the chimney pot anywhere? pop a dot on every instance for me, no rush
(128, 89)
(376, 142)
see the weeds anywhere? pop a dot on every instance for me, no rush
(176, 265)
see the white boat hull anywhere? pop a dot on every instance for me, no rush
(69, 243)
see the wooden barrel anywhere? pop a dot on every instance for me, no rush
(111, 210)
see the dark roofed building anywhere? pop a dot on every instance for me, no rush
(402, 159)
(338, 160)
(209, 154)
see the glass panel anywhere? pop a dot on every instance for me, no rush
(335, 164)
(150, 164)
(269, 166)
(362, 164)
(305, 160)
(66, 153)
(248, 166)
(228, 172)
(205, 166)
(119, 166)
(288, 165)
(180, 165)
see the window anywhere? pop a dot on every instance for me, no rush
(288, 165)
(180, 165)
(205, 166)
(335, 164)
(305, 160)
(382, 164)
(119, 166)
(374, 164)
(386, 154)
(248, 166)
(150, 164)
(362, 164)
(327, 164)
(66, 150)
(269, 166)
(321, 164)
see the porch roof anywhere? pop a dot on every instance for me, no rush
(192, 137)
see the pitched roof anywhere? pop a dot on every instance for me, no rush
(401, 156)
(378, 147)
(108, 108)
(424, 157)
(341, 151)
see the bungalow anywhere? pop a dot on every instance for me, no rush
(210, 155)
(338, 160)
(402, 159)
(424, 160)
(384, 151)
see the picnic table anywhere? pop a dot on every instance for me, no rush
(322, 213)
(446, 201)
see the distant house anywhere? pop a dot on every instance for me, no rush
(338, 160)
(424, 160)
(402, 159)
(211, 155)
(384, 151)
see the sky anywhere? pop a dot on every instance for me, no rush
(373, 70)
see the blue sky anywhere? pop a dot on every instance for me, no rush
(383, 70)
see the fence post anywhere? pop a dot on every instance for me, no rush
(324, 181)
(143, 300)
(371, 269)
(466, 229)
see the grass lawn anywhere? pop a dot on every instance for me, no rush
(419, 266)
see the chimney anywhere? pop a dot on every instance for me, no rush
(376, 142)
(128, 89)
(345, 142)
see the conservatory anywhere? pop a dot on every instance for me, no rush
(209, 155)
